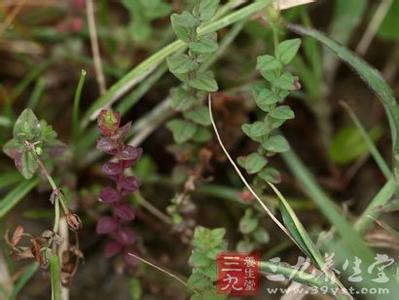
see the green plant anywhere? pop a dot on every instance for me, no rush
(187, 98)
(33, 144)
(208, 243)
(269, 99)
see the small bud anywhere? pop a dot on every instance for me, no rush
(108, 122)
(73, 221)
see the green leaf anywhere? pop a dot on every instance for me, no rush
(29, 164)
(286, 82)
(265, 98)
(256, 129)
(55, 272)
(245, 246)
(270, 175)
(181, 64)
(199, 115)
(390, 24)
(202, 135)
(204, 81)
(248, 223)
(287, 50)
(261, 235)
(348, 144)
(252, 163)
(199, 281)
(27, 126)
(199, 259)
(185, 26)
(207, 9)
(283, 112)
(267, 63)
(181, 129)
(15, 195)
(370, 75)
(206, 44)
(276, 143)
(182, 100)
(135, 290)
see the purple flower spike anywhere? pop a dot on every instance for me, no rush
(106, 225)
(125, 212)
(109, 195)
(125, 156)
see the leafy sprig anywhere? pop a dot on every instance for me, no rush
(269, 99)
(208, 243)
(187, 68)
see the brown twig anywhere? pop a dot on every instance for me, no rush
(95, 47)
(11, 16)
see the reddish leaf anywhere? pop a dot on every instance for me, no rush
(130, 153)
(112, 168)
(107, 145)
(109, 195)
(125, 212)
(129, 183)
(106, 225)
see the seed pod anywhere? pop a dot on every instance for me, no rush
(73, 221)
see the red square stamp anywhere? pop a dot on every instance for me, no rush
(238, 273)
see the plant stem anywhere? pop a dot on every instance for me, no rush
(76, 102)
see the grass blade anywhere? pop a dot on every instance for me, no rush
(369, 75)
(76, 103)
(9, 178)
(16, 195)
(351, 238)
(23, 280)
(297, 230)
(369, 142)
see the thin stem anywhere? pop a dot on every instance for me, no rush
(177, 278)
(94, 46)
(375, 23)
(56, 216)
(152, 209)
(76, 103)
(265, 208)
(370, 144)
